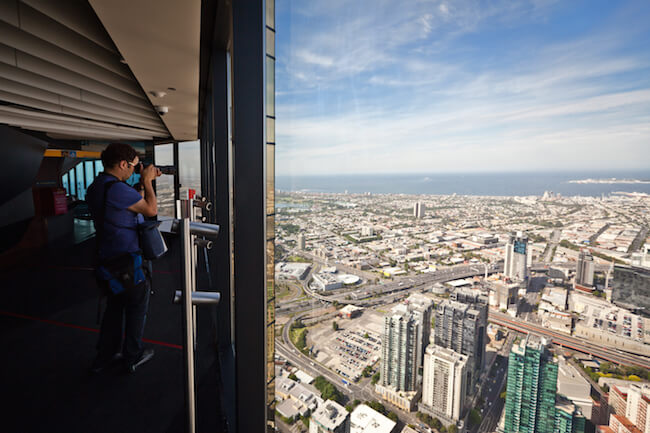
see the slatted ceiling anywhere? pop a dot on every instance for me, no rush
(60, 73)
(47, 69)
(86, 128)
(9, 11)
(75, 115)
(7, 54)
(31, 79)
(77, 15)
(25, 83)
(63, 123)
(47, 51)
(83, 108)
(47, 29)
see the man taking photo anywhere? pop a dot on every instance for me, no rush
(117, 209)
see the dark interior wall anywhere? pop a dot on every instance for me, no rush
(20, 160)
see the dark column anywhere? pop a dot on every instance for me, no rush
(249, 214)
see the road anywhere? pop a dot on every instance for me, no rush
(550, 246)
(570, 342)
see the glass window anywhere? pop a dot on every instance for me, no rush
(90, 171)
(270, 42)
(270, 180)
(164, 155)
(270, 130)
(270, 87)
(189, 155)
(99, 167)
(270, 13)
(64, 181)
(81, 187)
(73, 183)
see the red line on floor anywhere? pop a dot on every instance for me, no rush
(83, 328)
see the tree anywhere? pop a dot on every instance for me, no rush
(327, 390)
(392, 416)
(335, 326)
(293, 377)
(452, 429)
(366, 335)
(474, 417)
(377, 406)
(375, 378)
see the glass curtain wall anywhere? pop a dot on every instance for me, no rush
(270, 204)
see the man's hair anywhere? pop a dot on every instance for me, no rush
(116, 152)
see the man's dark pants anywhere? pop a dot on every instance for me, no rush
(125, 314)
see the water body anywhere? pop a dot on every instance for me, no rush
(494, 184)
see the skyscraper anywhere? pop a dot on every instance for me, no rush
(420, 307)
(585, 269)
(444, 386)
(516, 261)
(301, 242)
(461, 328)
(399, 362)
(406, 334)
(531, 389)
(418, 209)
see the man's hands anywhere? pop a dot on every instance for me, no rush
(149, 173)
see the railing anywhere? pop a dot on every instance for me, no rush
(193, 235)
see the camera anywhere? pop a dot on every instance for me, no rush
(165, 169)
(161, 109)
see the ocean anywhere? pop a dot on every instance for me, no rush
(490, 184)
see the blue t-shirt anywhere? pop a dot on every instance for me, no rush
(120, 224)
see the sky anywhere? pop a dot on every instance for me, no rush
(419, 86)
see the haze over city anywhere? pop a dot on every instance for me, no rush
(376, 87)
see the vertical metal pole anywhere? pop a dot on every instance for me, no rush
(177, 177)
(189, 329)
(194, 266)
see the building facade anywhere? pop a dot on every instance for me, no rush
(399, 345)
(330, 417)
(462, 328)
(531, 389)
(516, 257)
(585, 269)
(444, 386)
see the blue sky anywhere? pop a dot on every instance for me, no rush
(374, 86)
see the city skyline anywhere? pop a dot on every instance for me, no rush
(453, 87)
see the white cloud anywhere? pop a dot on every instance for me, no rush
(372, 92)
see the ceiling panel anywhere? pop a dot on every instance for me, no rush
(58, 65)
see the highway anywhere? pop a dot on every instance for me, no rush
(568, 341)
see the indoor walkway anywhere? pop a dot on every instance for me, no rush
(48, 330)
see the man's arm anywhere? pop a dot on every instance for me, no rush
(148, 206)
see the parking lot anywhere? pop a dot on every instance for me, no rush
(353, 347)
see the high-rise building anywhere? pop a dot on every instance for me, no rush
(399, 345)
(330, 417)
(444, 387)
(585, 269)
(418, 209)
(531, 389)
(516, 260)
(421, 308)
(462, 328)
(406, 334)
(301, 242)
(568, 417)
(638, 406)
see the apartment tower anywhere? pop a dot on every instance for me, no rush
(531, 389)
(444, 386)
(516, 260)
